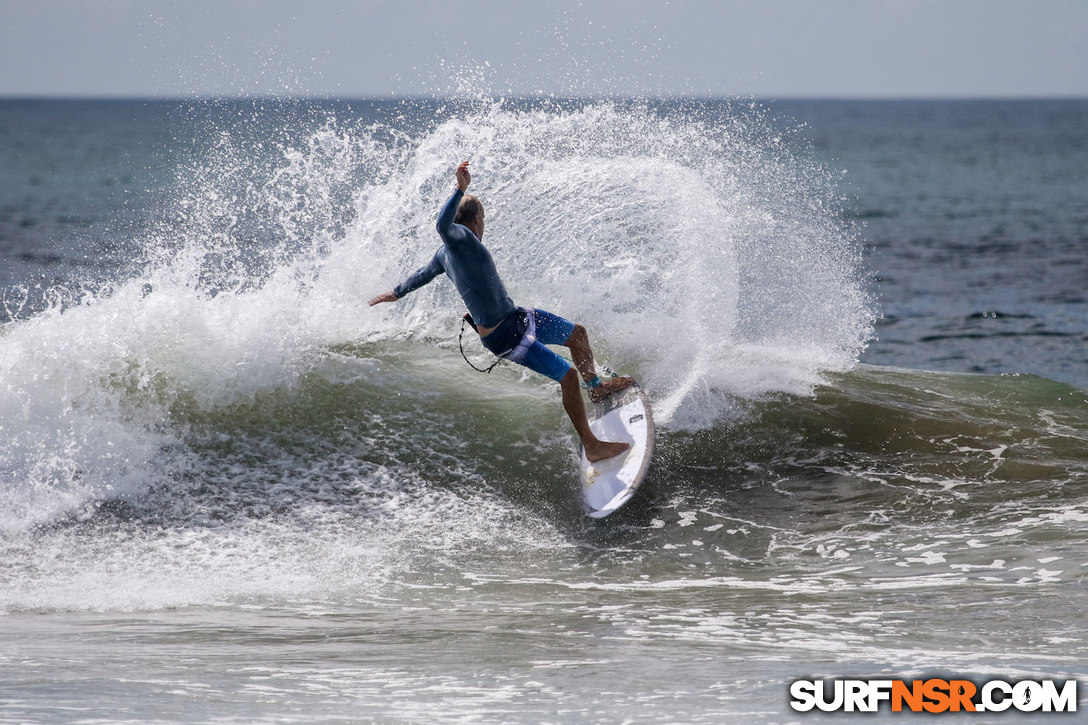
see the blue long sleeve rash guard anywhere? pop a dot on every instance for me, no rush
(466, 261)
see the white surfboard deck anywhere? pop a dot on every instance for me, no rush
(624, 416)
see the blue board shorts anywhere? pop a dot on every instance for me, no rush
(522, 336)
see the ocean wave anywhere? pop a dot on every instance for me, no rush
(388, 469)
(702, 255)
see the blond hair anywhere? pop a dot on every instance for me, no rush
(469, 208)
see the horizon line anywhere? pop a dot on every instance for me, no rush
(533, 97)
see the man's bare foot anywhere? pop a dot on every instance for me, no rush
(609, 386)
(601, 450)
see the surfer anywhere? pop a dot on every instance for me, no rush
(510, 332)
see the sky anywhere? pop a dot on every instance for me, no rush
(396, 48)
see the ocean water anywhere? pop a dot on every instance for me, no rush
(233, 492)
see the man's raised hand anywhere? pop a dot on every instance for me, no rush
(463, 177)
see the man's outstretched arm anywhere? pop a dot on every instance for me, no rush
(417, 279)
(384, 297)
(449, 233)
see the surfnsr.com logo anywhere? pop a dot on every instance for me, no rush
(933, 695)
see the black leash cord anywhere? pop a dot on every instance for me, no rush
(461, 345)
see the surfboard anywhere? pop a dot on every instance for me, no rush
(623, 416)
